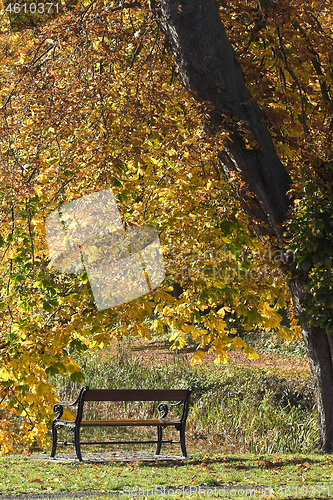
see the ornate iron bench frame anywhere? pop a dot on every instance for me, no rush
(86, 394)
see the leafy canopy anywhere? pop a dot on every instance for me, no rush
(91, 99)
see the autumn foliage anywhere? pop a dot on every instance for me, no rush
(91, 99)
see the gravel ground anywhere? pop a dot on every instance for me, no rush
(73, 494)
(205, 492)
(135, 456)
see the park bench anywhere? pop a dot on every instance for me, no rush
(178, 397)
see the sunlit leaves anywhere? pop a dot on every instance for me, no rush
(88, 104)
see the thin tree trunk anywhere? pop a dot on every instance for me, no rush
(209, 70)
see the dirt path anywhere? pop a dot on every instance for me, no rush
(58, 496)
(162, 354)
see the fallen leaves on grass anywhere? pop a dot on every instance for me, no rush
(36, 480)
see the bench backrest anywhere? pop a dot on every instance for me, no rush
(161, 395)
(135, 395)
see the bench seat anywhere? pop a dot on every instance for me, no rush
(134, 423)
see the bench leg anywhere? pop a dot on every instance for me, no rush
(54, 441)
(159, 439)
(182, 441)
(77, 442)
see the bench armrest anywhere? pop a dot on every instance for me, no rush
(163, 408)
(58, 408)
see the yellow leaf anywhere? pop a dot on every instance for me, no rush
(179, 343)
(144, 331)
(222, 358)
(250, 353)
(237, 344)
(4, 374)
(285, 333)
(197, 357)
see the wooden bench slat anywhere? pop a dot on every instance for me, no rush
(127, 423)
(135, 395)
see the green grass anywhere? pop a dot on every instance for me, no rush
(30, 476)
(271, 343)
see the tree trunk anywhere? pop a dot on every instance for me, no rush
(319, 348)
(209, 70)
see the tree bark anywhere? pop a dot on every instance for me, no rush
(210, 71)
(319, 346)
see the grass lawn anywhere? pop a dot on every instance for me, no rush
(269, 476)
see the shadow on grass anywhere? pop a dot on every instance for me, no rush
(242, 463)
